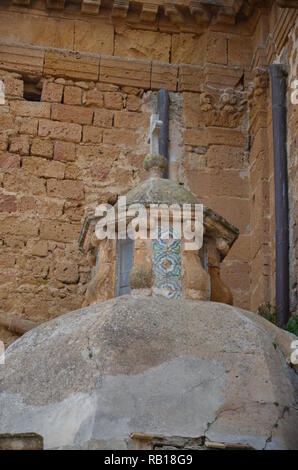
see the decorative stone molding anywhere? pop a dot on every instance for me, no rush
(178, 11)
(257, 90)
(91, 7)
(226, 109)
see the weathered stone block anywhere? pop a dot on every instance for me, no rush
(67, 189)
(9, 161)
(103, 118)
(164, 76)
(31, 109)
(72, 95)
(52, 92)
(125, 72)
(90, 37)
(113, 100)
(44, 168)
(14, 88)
(42, 148)
(131, 120)
(65, 151)
(119, 137)
(67, 273)
(71, 65)
(140, 44)
(8, 203)
(60, 130)
(75, 114)
(94, 98)
(20, 144)
(59, 231)
(22, 441)
(22, 59)
(92, 135)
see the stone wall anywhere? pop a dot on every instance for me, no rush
(74, 132)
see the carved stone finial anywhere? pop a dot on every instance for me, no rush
(155, 164)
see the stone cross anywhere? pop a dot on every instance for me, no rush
(155, 126)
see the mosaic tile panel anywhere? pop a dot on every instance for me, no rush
(167, 267)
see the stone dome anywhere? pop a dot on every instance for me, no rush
(156, 190)
(151, 365)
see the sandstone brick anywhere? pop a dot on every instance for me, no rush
(94, 98)
(60, 130)
(7, 123)
(67, 273)
(221, 76)
(191, 110)
(67, 189)
(9, 161)
(7, 260)
(8, 203)
(59, 231)
(113, 100)
(119, 137)
(125, 72)
(38, 247)
(103, 118)
(27, 204)
(42, 148)
(99, 171)
(17, 226)
(237, 274)
(44, 168)
(239, 51)
(140, 44)
(94, 38)
(31, 109)
(52, 92)
(65, 151)
(217, 48)
(72, 95)
(24, 183)
(164, 76)
(131, 120)
(92, 135)
(235, 210)
(224, 156)
(14, 88)
(19, 28)
(3, 142)
(72, 172)
(74, 114)
(190, 78)
(50, 208)
(133, 103)
(24, 59)
(28, 126)
(71, 65)
(188, 48)
(20, 144)
(216, 136)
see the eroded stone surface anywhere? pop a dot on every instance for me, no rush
(151, 365)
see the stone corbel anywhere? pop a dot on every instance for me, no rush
(149, 12)
(120, 8)
(91, 7)
(199, 12)
(173, 13)
(56, 4)
(21, 2)
(287, 3)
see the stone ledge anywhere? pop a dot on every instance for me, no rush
(121, 71)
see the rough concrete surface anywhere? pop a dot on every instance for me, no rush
(151, 365)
